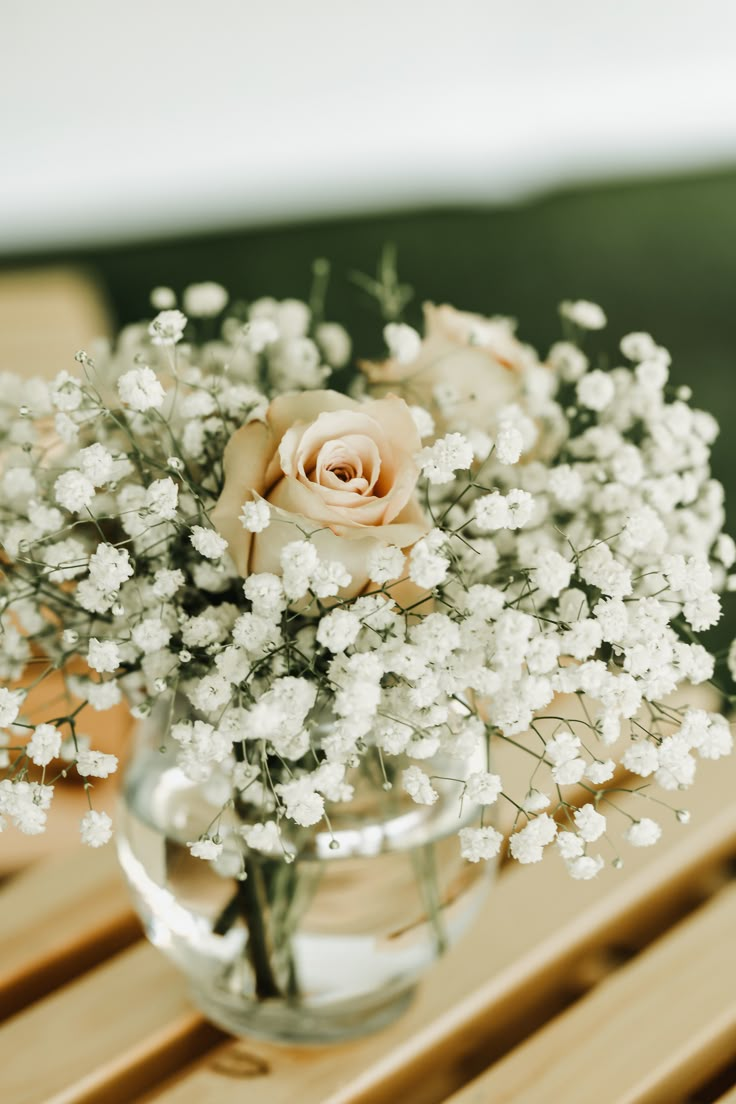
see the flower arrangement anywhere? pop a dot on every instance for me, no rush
(427, 550)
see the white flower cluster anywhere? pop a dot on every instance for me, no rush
(578, 552)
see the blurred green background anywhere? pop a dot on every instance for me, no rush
(659, 254)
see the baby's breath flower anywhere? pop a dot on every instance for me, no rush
(643, 833)
(483, 788)
(302, 803)
(440, 461)
(478, 844)
(638, 346)
(590, 824)
(140, 389)
(725, 550)
(266, 592)
(595, 390)
(205, 300)
(207, 542)
(103, 695)
(10, 703)
(74, 491)
(162, 298)
(98, 764)
(552, 571)
(96, 463)
(423, 420)
(150, 635)
(206, 848)
(600, 771)
(641, 758)
(569, 844)
(585, 867)
(66, 392)
(167, 327)
(427, 567)
(109, 567)
(162, 497)
(338, 630)
(509, 443)
(46, 519)
(418, 786)
(586, 315)
(494, 511)
(298, 560)
(292, 317)
(255, 516)
(403, 342)
(527, 845)
(103, 655)
(568, 360)
(335, 343)
(44, 745)
(386, 563)
(328, 577)
(676, 768)
(259, 333)
(166, 582)
(263, 837)
(535, 801)
(95, 828)
(653, 374)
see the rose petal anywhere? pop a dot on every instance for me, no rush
(351, 546)
(495, 335)
(350, 482)
(318, 503)
(245, 462)
(478, 358)
(303, 407)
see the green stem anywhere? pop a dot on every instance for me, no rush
(251, 895)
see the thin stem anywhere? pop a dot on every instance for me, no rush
(251, 896)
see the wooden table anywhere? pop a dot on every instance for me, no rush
(619, 991)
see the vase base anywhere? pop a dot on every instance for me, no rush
(295, 1022)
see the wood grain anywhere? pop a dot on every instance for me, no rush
(655, 1030)
(104, 1035)
(537, 927)
(127, 1025)
(57, 919)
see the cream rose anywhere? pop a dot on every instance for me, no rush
(340, 470)
(468, 367)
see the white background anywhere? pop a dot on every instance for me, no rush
(135, 118)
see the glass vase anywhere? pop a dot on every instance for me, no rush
(325, 944)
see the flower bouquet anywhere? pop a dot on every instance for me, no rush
(336, 594)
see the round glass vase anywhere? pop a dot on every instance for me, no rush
(326, 946)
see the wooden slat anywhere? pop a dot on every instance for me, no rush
(655, 1030)
(56, 919)
(513, 960)
(507, 964)
(102, 1040)
(537, 925)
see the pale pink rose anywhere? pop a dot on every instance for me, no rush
(341, 470)
(467, 369)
